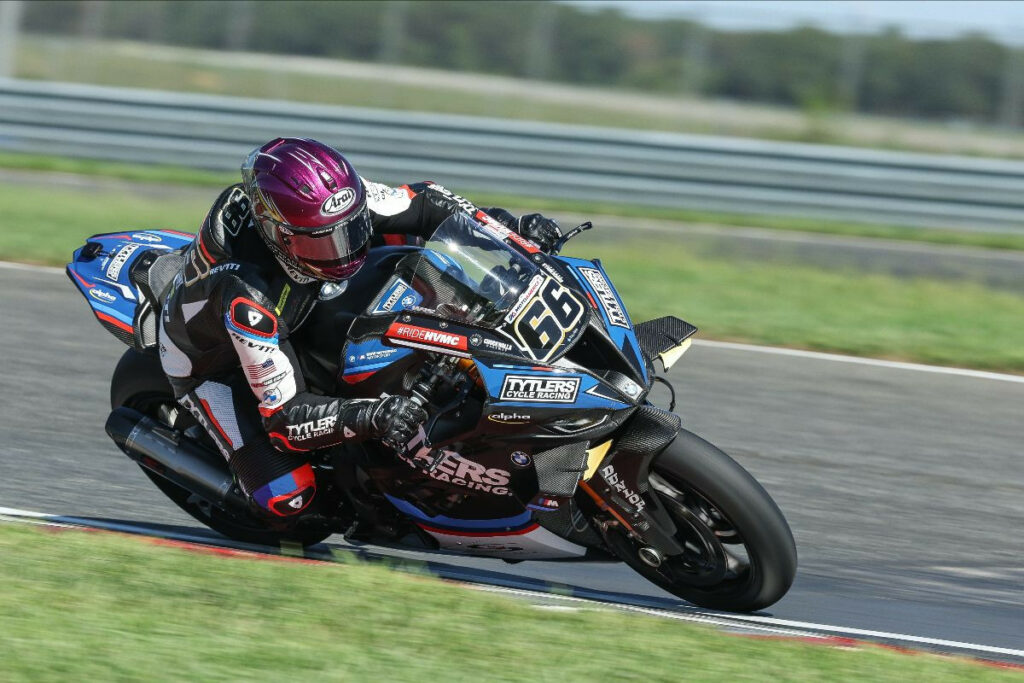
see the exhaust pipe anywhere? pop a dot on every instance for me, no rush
(164, 452)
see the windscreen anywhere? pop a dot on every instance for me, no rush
(487, 275)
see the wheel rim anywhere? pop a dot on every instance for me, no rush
(715, 557)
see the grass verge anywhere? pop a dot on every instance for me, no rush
(184, 176)
(849, 312)
(99, 606)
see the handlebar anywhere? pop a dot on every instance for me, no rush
(585, 225)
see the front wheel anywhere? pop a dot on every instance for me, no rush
(739, 551)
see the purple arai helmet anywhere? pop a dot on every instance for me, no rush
(309, 206)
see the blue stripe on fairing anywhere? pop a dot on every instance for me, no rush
(109, 311)
(506, 524)
(355, 366)
(367, 368)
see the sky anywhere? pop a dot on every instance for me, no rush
(1002, 20)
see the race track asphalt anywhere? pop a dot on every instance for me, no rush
(904, 489)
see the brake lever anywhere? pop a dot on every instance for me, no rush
(585, 225)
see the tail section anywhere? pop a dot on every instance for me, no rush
(101, 270)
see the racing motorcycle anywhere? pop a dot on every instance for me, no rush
(542, 443)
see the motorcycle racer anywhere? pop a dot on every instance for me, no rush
(301, 222)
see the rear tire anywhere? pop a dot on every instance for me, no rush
(741, 556)
(139, 383)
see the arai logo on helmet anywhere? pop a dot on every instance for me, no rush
(338, 202)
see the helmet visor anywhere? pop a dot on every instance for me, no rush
(331, 253)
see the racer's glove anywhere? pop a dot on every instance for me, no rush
(395, 419)
(533, 226)
(540, 230)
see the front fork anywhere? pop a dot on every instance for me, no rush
(616, 489)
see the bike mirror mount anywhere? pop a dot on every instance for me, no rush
(585, 225)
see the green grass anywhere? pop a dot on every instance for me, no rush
(804, 307)
(108, 169)
(184, 176)
(43, 225)
(97, 606)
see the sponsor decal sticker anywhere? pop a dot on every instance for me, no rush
(118, 260)
(102, 295)
(338, 202)
(553, 272)
(530, 388)
(512, 418)
(376, 355)
(496, 547)
(245, 342)
(462, 203)
(427, 336)
(223, 267)
(610, 302)
(609, 474)
(399, 292)
(453, 468)
(495, 345)
(269, 381)
(497, 229)
(312, 429)
(531, 290)
(146, 237)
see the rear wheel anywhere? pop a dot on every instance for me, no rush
(139, 383)
(739, 551)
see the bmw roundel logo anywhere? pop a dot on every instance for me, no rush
(520, 459)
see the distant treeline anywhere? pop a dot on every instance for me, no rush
(970, 77)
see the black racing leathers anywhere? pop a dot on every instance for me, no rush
(234, 305)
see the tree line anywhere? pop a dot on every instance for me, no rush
(970, 77)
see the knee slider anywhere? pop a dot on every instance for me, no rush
(289, 494)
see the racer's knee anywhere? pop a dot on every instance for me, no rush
(281, 484)
(289, 494)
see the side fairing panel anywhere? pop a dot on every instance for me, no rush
(362, 360)
(366, 358)
(512, 537)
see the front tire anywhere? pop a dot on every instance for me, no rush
(740, 553)
(139, 383)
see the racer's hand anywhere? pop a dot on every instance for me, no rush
(394, 420)
(543, 231)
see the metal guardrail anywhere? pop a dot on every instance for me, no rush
(524, 158)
